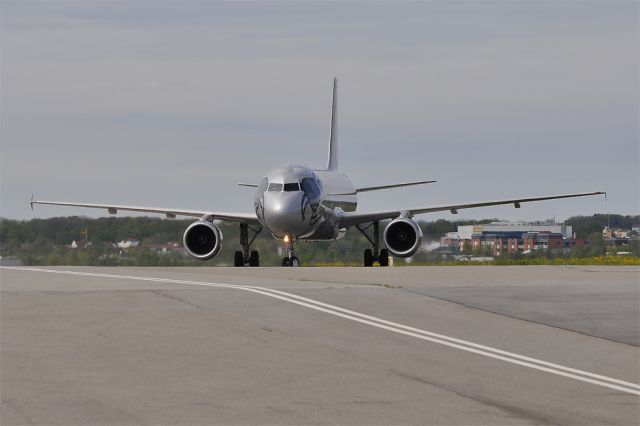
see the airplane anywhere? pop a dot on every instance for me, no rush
(300, 203)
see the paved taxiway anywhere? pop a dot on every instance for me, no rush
(534, 345)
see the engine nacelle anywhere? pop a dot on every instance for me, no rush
(402, 237)
(202, 240)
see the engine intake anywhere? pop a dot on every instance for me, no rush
(402, 237)
(202, 240)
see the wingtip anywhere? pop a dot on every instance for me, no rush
(31, 202)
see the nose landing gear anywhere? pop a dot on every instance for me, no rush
(373, 255)
(291, 259)
(245, 257)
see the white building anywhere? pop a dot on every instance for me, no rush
(548, 226)
(608, 233)
(129, 242)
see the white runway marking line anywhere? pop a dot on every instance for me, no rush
(487, 351)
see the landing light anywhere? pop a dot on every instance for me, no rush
(286, 238)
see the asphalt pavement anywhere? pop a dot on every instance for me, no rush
(370, 346)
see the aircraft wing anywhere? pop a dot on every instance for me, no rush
(395, 185)
(351, 219)
(249, 218)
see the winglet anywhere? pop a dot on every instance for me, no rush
(31, 202)
(332, 161)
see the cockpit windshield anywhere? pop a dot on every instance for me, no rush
(290, 187)
(287, 187)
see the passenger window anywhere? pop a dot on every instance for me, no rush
(290, 187)
(275, 187)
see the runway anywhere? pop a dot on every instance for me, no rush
(436, 345)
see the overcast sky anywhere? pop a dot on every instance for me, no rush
(171, 103)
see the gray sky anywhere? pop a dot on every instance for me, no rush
(171, 103)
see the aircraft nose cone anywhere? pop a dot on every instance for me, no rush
(283, 214)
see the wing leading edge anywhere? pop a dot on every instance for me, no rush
(351, 219)
(249, 218)
(395, 185)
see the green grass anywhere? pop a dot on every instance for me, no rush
(596, 260)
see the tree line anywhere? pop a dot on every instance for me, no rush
(44, 241)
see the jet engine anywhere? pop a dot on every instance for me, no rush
(202, 239)
(402, 237)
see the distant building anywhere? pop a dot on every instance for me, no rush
(128, 242)
(608, 233)
(616, 237)
(450, 239)
(548, 226)
(78, 244)
(622, 233)
(512, 237)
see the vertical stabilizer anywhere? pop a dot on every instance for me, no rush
(332, 163)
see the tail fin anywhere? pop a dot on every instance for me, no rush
(332, 162)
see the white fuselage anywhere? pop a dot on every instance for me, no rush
(302, 203)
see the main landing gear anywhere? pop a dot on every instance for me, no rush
(246, 257)
(290, 259)
(373, 255)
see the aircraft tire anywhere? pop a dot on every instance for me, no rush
(254, 258)
(238, 259)
(285, 261)
(368, 257)
(384, 257)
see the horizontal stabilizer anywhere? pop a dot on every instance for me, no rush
(396, 185)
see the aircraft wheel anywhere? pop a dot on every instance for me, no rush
(238, 259)
(368, 257)
(295, 262)
(285, 261)
(384, 257)
(254, 258)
